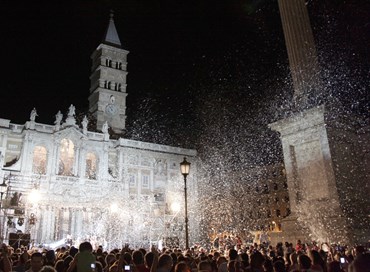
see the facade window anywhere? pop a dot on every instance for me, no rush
(108, 63)
(132, 181)
(276, 199)
(276, 187)
(286, 199)
(288, 212)
(285, 185)
(66, 158)
(145, 181)
(278, 213)
(265, 189)
(39, 160)
(268, 213)
(90, 171)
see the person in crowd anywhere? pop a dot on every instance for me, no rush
(221, 264)
(361, 263)
(256, 263)
(182, 267)
(50, 258)
(165, 263)
(84, 260)
(279, 266)
(318, 263)
(267, 265)
(138, 261)
(59, 266)
(47, 268)
(204, 266)
(304, 263)
(37, 262)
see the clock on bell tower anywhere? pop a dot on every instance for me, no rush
(107, 100)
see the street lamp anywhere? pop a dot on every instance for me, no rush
(185, 169)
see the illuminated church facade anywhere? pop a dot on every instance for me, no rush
(65, 181)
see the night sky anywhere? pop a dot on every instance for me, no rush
(181, 54)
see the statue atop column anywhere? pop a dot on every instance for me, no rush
(33, 115)
(104, 129)
(58, 120)
(31, 123)
(71, 121)
(72, 111)
(84, 123)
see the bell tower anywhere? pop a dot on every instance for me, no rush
(107, 100)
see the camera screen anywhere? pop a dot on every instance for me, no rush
(127, 267)
(92, 265)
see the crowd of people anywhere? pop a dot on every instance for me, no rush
(253, 258)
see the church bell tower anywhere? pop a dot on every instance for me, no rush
(107, 100)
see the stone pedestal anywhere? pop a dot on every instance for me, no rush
(322, 177)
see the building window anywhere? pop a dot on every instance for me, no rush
(108, 63)
(145, 181)
(132, 181)
(265, 189)
(285, 185)
(66, 158)
(39, 160)
(276, 187)
(288, 212)
(278, 213)
(268, 213)
(90, 171)
(286, 199)
(276, 199)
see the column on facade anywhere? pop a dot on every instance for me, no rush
(104, 163)
(120, 164)
(77, 161)
(26, 154)
(54, 158)
(82, 163)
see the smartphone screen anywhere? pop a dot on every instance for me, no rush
(93, 265)
(342, 260)
(127, 268)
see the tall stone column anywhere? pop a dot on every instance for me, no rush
(316, 212)
(301, 49)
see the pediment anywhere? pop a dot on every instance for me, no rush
(72, 133)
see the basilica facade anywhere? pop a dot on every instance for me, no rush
(66, 182)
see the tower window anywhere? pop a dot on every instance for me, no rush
(108, 63)
(118, 87)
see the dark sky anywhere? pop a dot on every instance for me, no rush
(178, 49)
(46, 47)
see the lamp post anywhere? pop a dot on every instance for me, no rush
(3, 189)
(185, 169)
